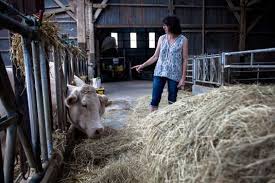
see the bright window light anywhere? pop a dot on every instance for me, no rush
(133, 40)
(115, 35)
(152, 40)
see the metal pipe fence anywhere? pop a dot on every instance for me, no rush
(68, 63)
(218, 69)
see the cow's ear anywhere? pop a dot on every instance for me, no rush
(71, 99)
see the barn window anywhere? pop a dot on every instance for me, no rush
(152, 40)
(133, 40)
(115, 35)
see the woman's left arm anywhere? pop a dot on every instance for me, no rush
(184, 65)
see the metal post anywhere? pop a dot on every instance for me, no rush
(31, 98)
(194, 70)
(223, 63)
(46, 97)
(58, 87)
(33, 163)
(66, 67)
(10, 153)
(251, 58)
(39, 100)
(1, 166)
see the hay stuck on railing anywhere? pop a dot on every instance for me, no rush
(49, 33)
(227, 135)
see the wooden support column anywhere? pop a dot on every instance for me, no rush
(91, 55)
(98, 59)
(203, 28)
(81, 25)
(171, 7)
(242, 38)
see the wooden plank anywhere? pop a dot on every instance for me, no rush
(64, 7)
(232, 7)
(81, 24)
(98, 11)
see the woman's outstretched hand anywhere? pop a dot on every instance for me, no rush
(138, 68)
(181, 84)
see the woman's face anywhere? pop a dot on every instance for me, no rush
(165, 27)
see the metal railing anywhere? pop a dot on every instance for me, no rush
(67, 64)
(217, 69)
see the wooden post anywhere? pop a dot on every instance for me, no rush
(203, 28)
(98, 59)
(171, 7)
(91, 43)
(242, 38)
(81, 25)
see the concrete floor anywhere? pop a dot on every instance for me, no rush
(127, 89)
(123, 96)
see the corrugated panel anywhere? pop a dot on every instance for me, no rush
(194, 43)
(27, 6)
(4, 33)
(68, 28)
(140, 1)
(219, 42)
(189, 15)
(63, 17)
(50, 4)
(4, 44)
(188, 2)
(220, 16)
(133, 16)
(6, 58)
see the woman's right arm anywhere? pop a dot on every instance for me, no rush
(152, 59)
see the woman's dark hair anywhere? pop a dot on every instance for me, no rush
(173, 24)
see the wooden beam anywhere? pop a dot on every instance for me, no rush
(91, 55)
(81, 24)
(58, 10)
(232, 7)
(242, 36)
(203, 28)
(183, 26)
(252, 2)
(64, 7)
(98, 11)
(171, 7)
(253, 24)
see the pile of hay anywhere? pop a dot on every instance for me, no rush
(227, 135)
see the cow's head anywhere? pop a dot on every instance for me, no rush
(85, 109)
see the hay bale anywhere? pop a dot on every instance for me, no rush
(227, 135)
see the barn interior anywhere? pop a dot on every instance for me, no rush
(224, 114)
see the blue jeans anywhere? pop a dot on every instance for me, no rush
(158, 85)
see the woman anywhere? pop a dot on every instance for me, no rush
(171, 55)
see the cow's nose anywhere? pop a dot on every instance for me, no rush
(99, 131)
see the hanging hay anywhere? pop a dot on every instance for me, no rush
(17, 53)
(227, 135)
(49, 33)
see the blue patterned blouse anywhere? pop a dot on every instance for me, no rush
(170, 60)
